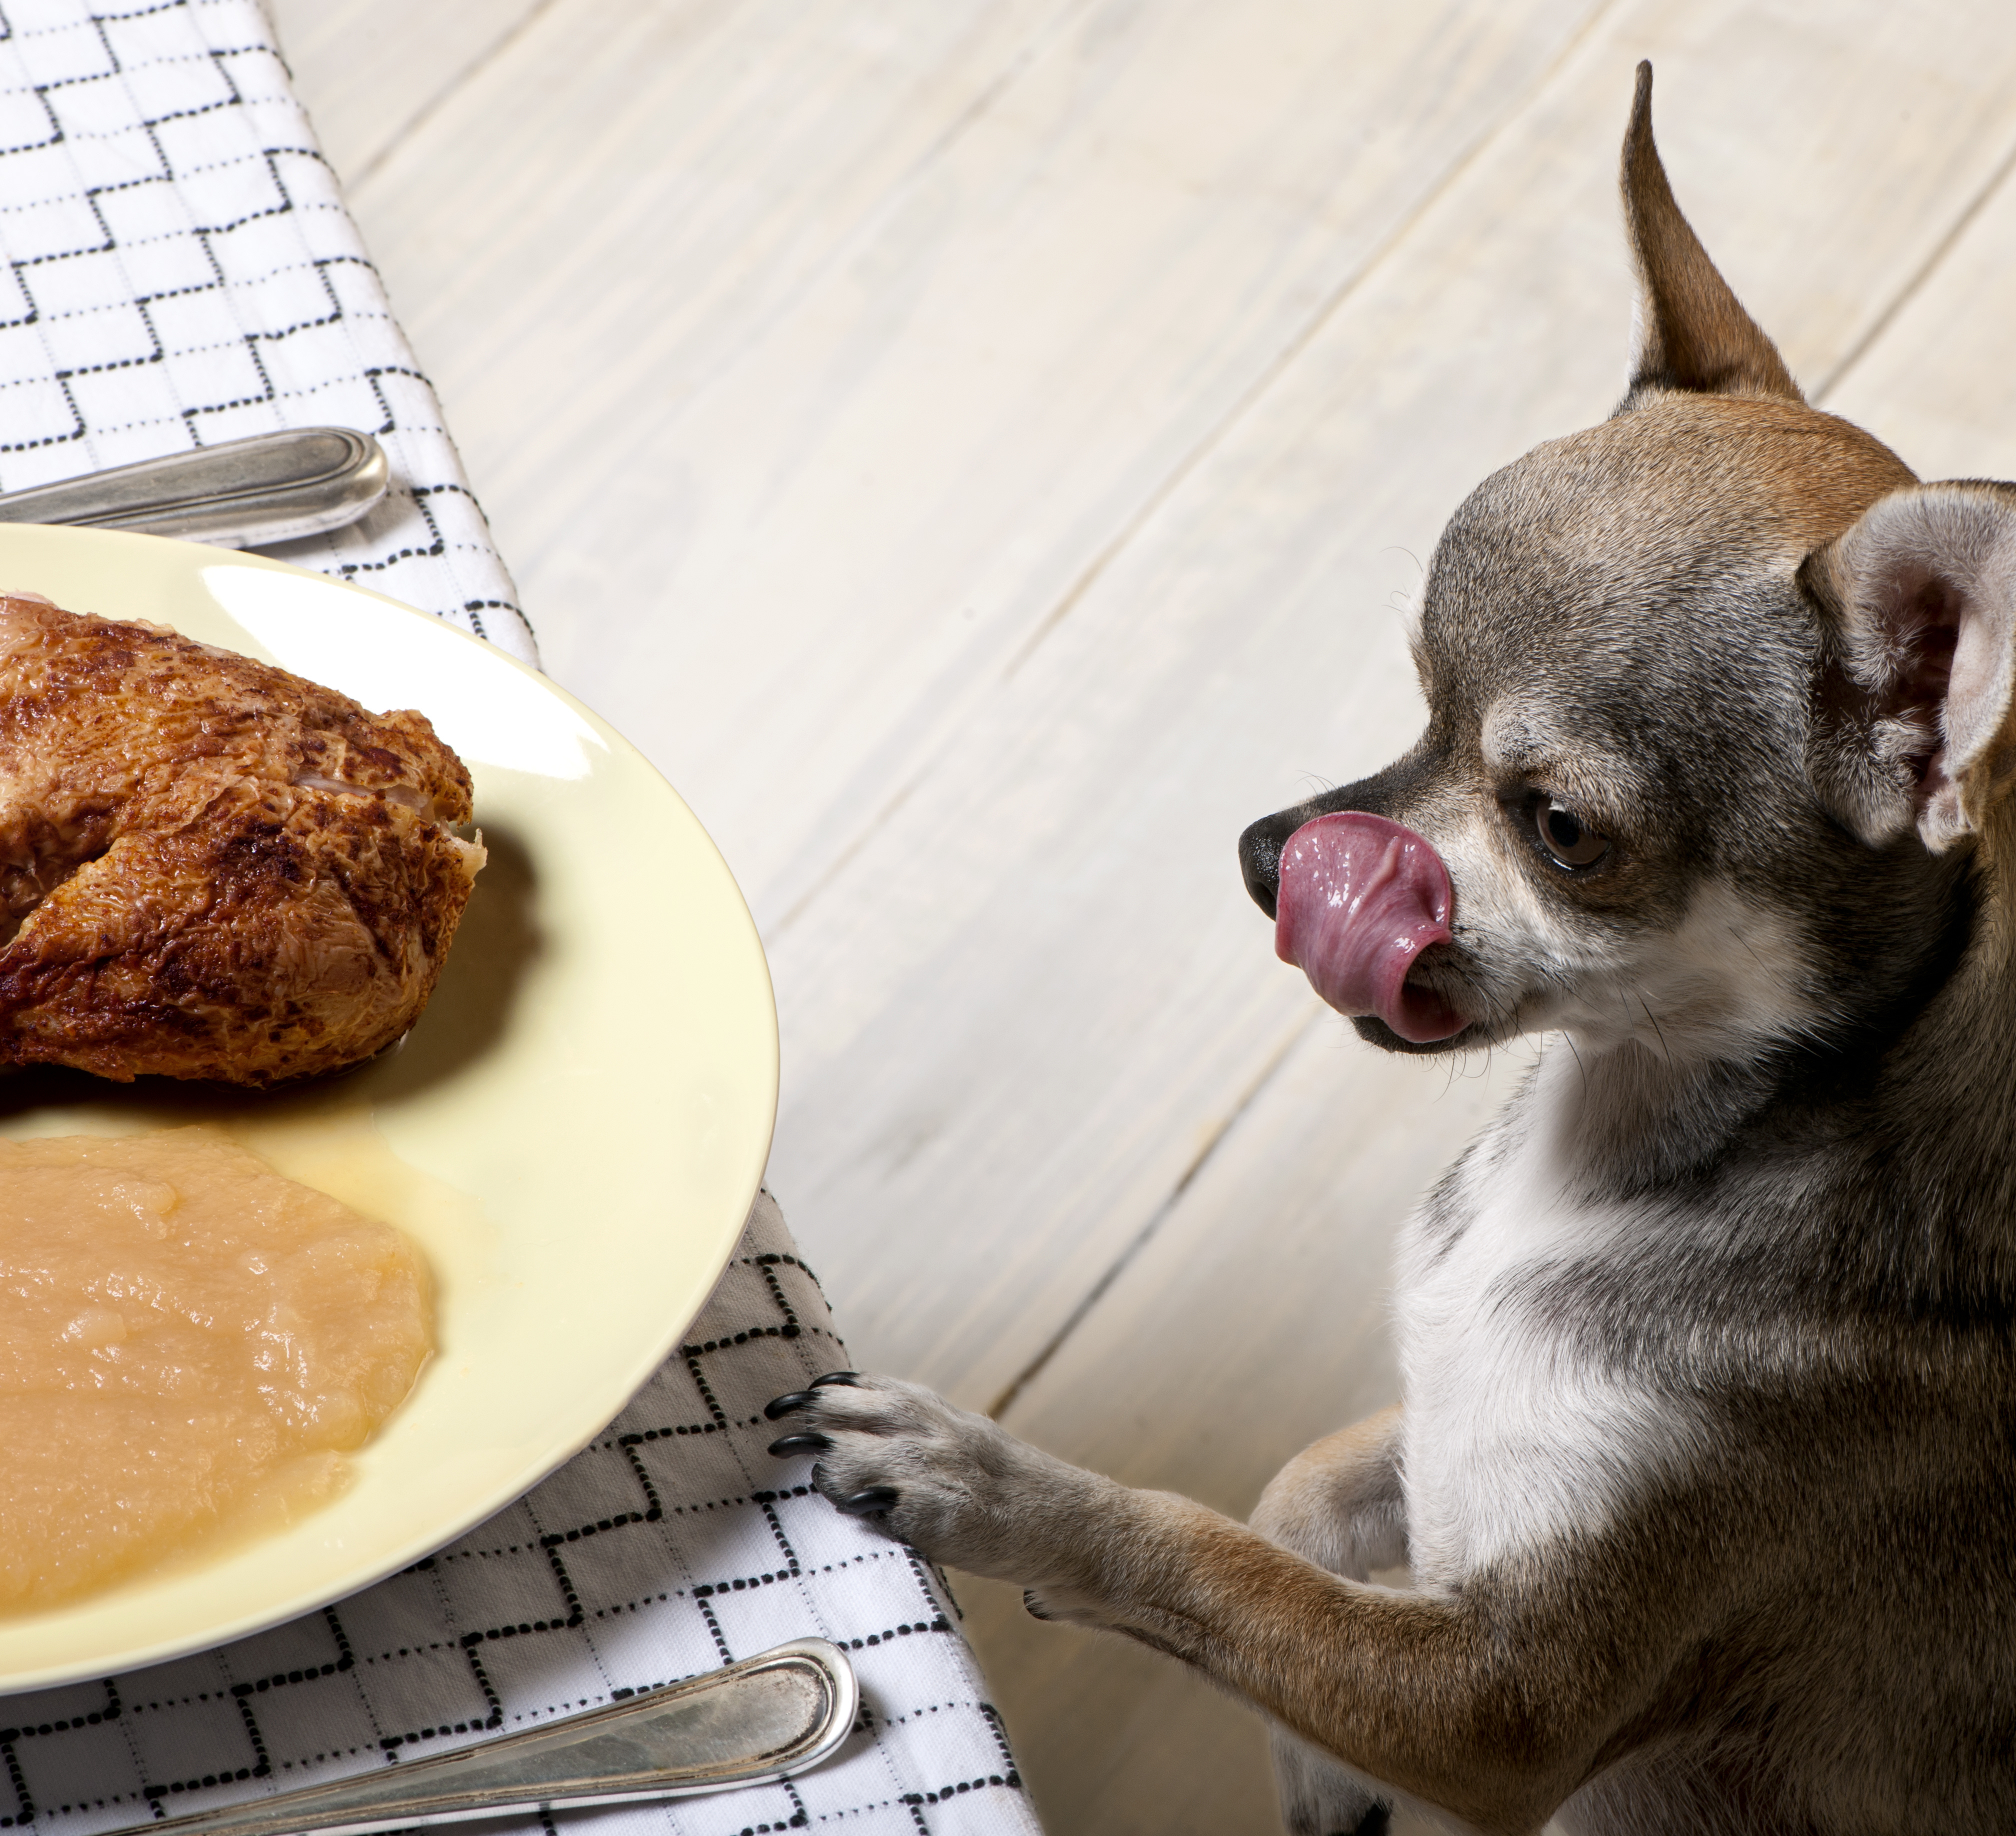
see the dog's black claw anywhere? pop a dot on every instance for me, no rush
(784, 1405)
(872, 1503)
(846, 1377)
(811, 1441)
(1031, 1605)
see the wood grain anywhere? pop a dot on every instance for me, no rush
(1938, 382)
(982, 452)
(373, 68)
(1044, 954)
(1255, 1323)
(1082, 1055)
(598, 234)
(805, 369)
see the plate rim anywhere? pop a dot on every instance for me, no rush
(500, 1496)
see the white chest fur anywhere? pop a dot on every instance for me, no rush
(1513, 1435)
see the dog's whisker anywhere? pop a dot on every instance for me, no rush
(1656, 1027)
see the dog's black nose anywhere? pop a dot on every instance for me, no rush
(1260, 855)
(1260, 847)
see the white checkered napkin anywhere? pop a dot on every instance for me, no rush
(673, 1545)
(180, 270)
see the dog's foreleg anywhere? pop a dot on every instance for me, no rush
(1340, 1503)
(1494, 1703)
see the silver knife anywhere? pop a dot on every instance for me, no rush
(752, 1722)
(244, 494)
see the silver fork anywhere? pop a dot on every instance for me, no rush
(244, 494)
(782, 1712)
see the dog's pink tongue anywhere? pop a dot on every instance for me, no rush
(1360, 899)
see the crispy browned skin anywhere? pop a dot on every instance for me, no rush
(210, 868)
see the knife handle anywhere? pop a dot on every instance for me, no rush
(244, 494)
(770, 1715)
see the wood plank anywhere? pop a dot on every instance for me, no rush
(1023, 1002)
(1939, 382)
(579, 258)
(1256, 1324)
(1017, 1012)
(1252, 1321)
(368, 69)
(1102, 263)
(806, 362)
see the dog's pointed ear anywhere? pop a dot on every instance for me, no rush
(1690, 332)
(1912, 722)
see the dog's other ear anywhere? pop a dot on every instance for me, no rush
(1689, 331)
(1913, 721)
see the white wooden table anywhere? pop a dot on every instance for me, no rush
(981, 450)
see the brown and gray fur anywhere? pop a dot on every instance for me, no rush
(1706, 1468)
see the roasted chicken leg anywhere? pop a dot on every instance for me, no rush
(210, 868)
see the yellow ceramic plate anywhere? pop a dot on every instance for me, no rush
(574, 1131)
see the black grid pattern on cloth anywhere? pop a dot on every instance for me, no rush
(180, 270)
(672, 1546)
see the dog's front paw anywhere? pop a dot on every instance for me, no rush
(953, 1485)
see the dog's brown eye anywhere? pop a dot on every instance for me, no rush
(1563, 836)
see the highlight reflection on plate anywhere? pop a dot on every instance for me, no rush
(574, 1131)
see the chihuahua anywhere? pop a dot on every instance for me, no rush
(1705, 1470)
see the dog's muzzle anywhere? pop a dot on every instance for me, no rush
(1358, 899)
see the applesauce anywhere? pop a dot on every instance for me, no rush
(185, 1337)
